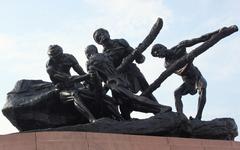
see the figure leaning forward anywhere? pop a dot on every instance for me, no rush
(101, 65)
(58, 67)
(193, 81)
(117, 50)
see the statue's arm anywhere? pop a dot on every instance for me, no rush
(194, 41)
(140, 58)
(78, 69)
(75, 65)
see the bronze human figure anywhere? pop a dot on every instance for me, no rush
(117, 50)
(193, 81)
(101, 65)
(107, 106)
(58, 67)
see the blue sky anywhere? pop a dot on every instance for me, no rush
(28, 27)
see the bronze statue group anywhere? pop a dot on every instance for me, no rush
(105, 71)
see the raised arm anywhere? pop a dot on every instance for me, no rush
(140, 58)
(191, 42)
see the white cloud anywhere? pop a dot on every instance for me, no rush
(130, 19)
(6, 42)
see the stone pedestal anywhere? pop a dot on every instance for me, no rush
(103, 141)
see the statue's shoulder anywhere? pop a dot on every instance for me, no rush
(98, 59)
(177, 52)
(122, 42)
(66, 55)
(99, 56)
(69, 58)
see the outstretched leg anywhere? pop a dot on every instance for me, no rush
(129, 102)
(178, 93)
(124, 103)
(82, 108)
(201, 103)
(202, 87)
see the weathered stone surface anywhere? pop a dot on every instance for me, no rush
(35, 105)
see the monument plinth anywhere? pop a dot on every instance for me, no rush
(103, 141)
